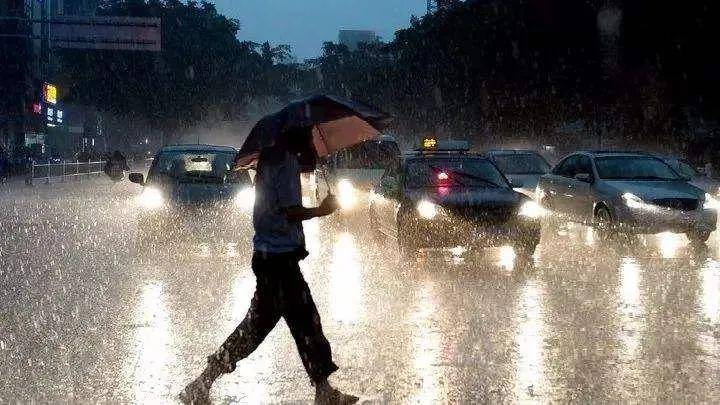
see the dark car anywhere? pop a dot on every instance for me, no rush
(446, 198)
(191, 190)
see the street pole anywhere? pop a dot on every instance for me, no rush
(43, 33)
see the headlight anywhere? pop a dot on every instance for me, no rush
(635, 202)
(245, 199)
(531, 209)
(346, 194)
(151, 198)
(711, 203)
(426, 209)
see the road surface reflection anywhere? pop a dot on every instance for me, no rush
(529, 340)
(152, 356)
(426, 355)
(346, 286)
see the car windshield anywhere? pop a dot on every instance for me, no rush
(634, 168)
(685, 169)
(457, 172)
(196, 167)
(368, 155)
(526, 163)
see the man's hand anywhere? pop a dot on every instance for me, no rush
(328, 205)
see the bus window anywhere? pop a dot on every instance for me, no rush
(368, 155)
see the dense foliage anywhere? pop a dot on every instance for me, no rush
(203, 70)
(573, 73)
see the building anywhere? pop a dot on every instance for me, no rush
(14, 78)
(353, 38)
(26, 64)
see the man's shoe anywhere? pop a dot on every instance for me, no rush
(195, 393)
(333, 397)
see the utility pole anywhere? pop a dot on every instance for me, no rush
(44, 40)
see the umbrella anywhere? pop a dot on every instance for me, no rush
(336, 124)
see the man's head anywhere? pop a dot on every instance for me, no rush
(300, 142)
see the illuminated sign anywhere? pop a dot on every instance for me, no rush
(54, 116)
(33, 138)
(429, 143)
(50, 93)
(433, 145)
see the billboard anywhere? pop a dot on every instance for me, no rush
(49, 93)
(104, 32)
(54, 116)
(34, 138)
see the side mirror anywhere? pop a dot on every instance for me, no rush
(584, 177)
(137, 178)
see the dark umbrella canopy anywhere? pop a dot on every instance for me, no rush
(336, 124)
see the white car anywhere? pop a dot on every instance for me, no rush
(522, 167)
(352, 173)
(627, 192)
(686, 169)
(191, 190)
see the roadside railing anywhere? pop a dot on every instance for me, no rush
(65, 170)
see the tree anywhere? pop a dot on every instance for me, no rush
(203, 68)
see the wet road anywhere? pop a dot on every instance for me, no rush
(87, 315)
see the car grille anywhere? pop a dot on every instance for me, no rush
(682, 204)
(484, 215)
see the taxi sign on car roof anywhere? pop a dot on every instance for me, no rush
(433, 145)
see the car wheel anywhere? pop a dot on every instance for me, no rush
(698, 237)
(603, 224)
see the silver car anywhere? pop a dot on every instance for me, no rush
(627, 192)
(522, 167)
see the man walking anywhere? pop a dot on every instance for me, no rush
(281, 291)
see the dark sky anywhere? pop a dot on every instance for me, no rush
(305, 25)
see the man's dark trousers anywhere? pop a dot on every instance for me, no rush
(281, 291)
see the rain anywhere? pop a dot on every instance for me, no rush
(497, 202)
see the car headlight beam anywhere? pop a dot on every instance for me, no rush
(347, 195)
(245, 199)
(151, 198)
(427, 209)
(531, 209)
(711, 203)
(635, 202)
